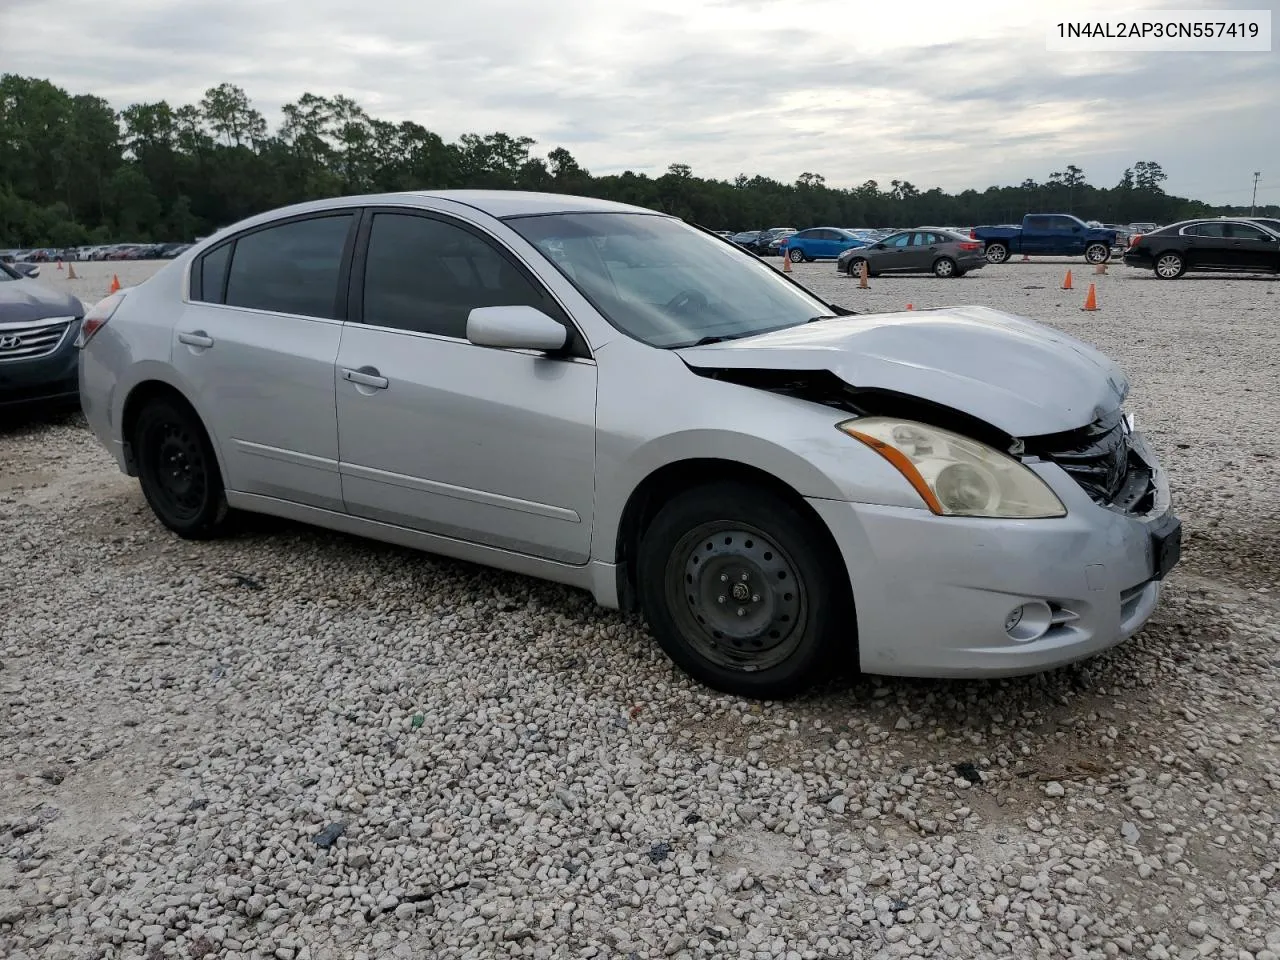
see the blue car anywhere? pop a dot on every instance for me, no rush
(820, 243)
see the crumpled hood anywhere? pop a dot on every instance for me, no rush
(22, 301)
(1018, 375)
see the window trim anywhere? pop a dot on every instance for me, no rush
(195, 276)
(577, 347)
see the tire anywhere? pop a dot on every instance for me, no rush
(997, 253)
(178, 470)
(796, 255)
(1097, 253)
(756, 638)
(855, 267)
(945, 268)
(1169, 266)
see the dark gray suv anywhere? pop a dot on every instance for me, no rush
(38, 329)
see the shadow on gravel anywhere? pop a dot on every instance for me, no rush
(24, 421)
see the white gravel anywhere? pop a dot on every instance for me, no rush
(506, 771)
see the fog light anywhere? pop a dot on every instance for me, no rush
(1029, 621)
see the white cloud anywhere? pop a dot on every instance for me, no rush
(938, 93)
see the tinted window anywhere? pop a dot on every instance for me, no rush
(207, 285)
(1244, 231)
(427, 275)
(1206, 230)
(292, 268)
(900, 240)
(1040, 223)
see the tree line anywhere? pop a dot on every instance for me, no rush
(73, 170)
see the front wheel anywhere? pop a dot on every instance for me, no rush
(855, 267)
(178, 470)
(945, 267)
(1097, 253)
(796, 255)
(997, 253)
(740, 593)
(1170, 266)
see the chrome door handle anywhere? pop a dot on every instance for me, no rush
(197, 338)
(366, 377)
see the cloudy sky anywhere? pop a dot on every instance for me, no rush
(956, 94)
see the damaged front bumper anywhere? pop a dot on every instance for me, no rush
(977, 597)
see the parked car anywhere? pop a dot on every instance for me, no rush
(38, 328)
(925, 250)
(773, 248)
(745, 238)
(1206, 245)
(1271, 223)
(1046, 234)
(819, 243)
(760, 245)
(25, 269)
(677, 427)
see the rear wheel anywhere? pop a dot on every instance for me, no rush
(178, 470)
(997, 253)
(944, 267)
(1170, 266)
(1097, 253)
(739, 591)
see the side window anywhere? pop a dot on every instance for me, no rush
(210, 274)
(1206, 230)
(901, 240)
(292, 268)
(426, 275)
(1243, 231)
(1039, 223)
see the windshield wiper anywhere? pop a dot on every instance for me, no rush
(708, 340)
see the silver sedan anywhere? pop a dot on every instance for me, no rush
(604, 396)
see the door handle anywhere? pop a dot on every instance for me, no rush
(366, 377)
(197, 338)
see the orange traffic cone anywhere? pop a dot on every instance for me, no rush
(786, 261)
(59, 264)
(1091, 299)
(1066, 281)
(71, 272)
(910, 307)
(115, 283)
(1100, 269)
(863, 274)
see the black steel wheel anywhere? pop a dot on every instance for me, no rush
(741, 592)
(178, 470)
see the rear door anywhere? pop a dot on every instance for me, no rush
(1207, 246)
(490, 446)
(1039, 235)
(256, 346)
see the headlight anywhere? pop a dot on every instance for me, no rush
(956, 476)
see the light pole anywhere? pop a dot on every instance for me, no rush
(1253, 204)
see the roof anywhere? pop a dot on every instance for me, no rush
(516, 203)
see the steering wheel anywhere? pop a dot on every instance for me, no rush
(686, 299)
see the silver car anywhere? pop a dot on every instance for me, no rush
(604, 396)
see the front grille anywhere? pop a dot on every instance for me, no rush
(1100, 459)
(32, 340)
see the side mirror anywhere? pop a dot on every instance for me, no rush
(878, 246)
(515, 328)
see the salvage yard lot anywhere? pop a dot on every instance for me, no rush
(520, 773)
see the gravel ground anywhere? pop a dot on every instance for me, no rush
(293, 744)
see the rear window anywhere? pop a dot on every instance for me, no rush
(291, 268)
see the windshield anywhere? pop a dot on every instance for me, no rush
(662, 282)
